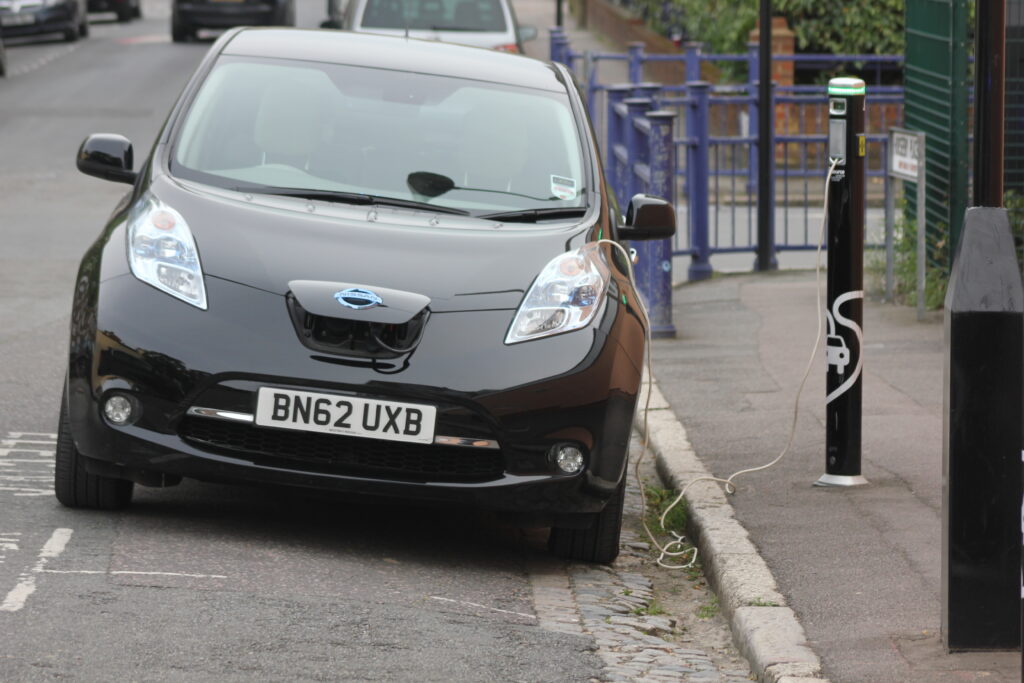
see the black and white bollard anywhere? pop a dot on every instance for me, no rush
(845, 301)
(981, 465)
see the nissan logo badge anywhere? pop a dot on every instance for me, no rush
(357, 298)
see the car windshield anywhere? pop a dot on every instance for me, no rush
(451, 15)
(284, 127)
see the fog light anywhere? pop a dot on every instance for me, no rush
(569, 459)
(118, 410)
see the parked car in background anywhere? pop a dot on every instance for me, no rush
(365, 265)
(126, 10)
(36, 17)
(188, 16)
(480, 23)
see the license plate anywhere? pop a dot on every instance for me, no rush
(17, 19)
(349, 415)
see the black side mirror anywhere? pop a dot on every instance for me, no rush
(107, 156)
(648, 218)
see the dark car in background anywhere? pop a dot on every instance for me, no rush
(366, 265)
(188, 16)
(37, 17)
(126, 10)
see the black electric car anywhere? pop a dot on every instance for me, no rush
(368, 265)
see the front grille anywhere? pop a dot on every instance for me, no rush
(345, 454)
(358, 338)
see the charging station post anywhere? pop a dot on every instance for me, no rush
(847, 147)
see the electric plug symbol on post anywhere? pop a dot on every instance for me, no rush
(836, 351)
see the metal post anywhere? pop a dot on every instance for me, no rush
(890, 224)
(990, 87)
(635, 52)
(558, 13)
(752, 116)
(845, 313)
(554, 33)
(654, 267)
(692, 63)
(697, 179)
(922, 232)
(615, 126)
(564, 50)
(765, 149)
(635, 107)
(981, 465)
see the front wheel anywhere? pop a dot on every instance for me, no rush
(77, 488)
(71, 34)
(179, 32)
(600, 542)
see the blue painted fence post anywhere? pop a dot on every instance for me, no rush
(753, 57)
(635, 108)
(697, 181)
(564, 50)
(616, 117)
(692, 51)
(635, 52)
(553, 43)
(648, 90)
(654, 267)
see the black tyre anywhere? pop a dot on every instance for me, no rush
(179, 32)
(75, 487)
(137, 10)
(71, 34)
(125, 14)
(598, 543)
(83, 29)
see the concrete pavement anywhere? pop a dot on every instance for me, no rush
(859, 567)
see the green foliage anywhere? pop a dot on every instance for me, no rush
(652, 609)
(1014, 204)
(657, 500)
(723, 26)
(709, 610)
(873, 27)
(936, 276)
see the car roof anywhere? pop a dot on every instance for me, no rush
(395, 53)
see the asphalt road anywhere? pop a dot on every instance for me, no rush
(206, 582)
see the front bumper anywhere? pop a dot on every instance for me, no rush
(521, 400)
(57, 18)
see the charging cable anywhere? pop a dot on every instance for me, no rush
(676, 548)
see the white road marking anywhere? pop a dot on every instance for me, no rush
(41, 62)
(8, 543)
(474, 604)
(53, 547)
(30, 471)
(120, 572)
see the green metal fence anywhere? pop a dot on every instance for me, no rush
(936, 79)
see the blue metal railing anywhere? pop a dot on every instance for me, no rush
(716, 140)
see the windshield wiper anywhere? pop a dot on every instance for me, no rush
(322, 195)
(412, 204)
(352, 198)
(534, 215)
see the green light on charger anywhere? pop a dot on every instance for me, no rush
(846, 86)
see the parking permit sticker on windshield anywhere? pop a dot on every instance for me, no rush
(562, 187)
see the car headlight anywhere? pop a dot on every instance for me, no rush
(569, 292)
(162, 253)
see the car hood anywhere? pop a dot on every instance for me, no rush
(458, 262)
